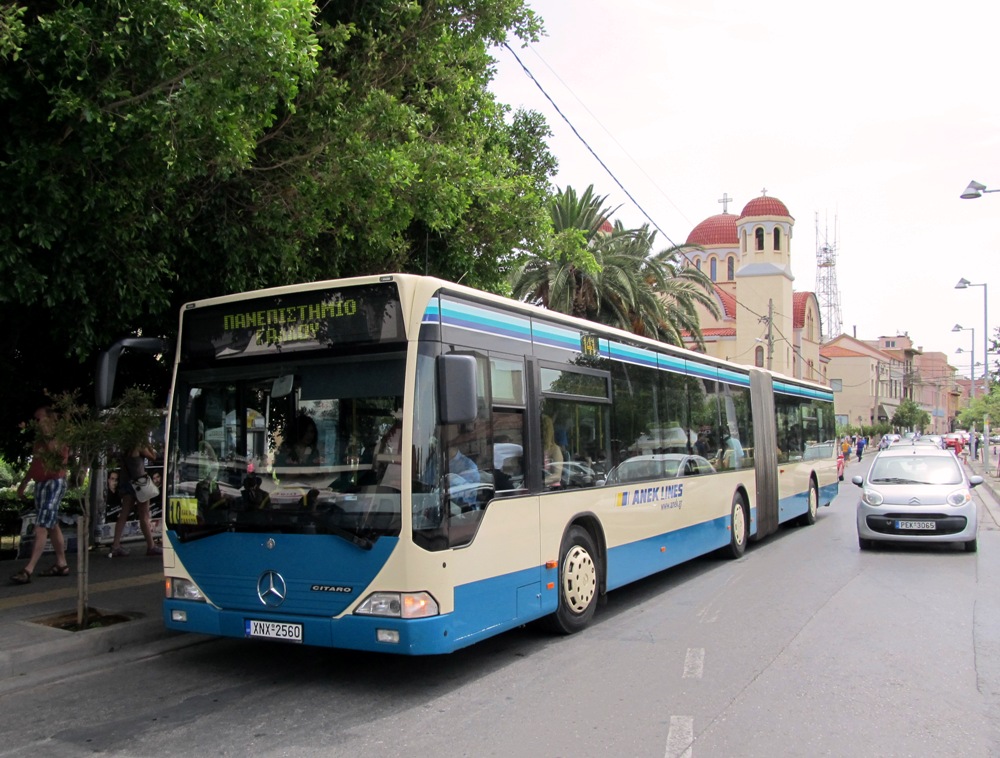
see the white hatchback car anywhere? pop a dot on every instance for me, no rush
(917, 494)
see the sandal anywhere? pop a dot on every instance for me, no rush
(21, 577)
(55, 570)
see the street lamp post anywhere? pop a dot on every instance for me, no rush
(972, 368)
(964, 283)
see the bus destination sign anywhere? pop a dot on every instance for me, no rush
(306, 320)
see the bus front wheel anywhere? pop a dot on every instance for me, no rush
(809, 517)
(579, 574)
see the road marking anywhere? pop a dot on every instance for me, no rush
(694, 663)
(680, 738)
(70, 591)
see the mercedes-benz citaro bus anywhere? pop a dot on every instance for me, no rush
(402, 464)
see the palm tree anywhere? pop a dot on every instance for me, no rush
(607, 274)
(563, 280)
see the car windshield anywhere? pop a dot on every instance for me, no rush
(915, 469)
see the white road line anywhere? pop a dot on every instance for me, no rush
(694, 663)
(680, 738)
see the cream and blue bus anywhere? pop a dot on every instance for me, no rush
(402, 464)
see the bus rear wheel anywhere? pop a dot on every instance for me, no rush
(739, 528)
(809, 517)
(579, 574)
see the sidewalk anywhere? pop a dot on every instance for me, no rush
(31, 652)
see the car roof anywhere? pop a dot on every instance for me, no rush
(898, 451)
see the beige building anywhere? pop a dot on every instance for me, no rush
(764, 322)
(903, 371)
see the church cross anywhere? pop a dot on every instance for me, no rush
(725, 200)
(763, 192)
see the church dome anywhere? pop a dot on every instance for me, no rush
(715, 230)
(765, 206)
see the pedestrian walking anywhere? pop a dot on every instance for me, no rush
(50, 487)
(860, 447)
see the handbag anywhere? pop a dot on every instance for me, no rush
(144, 488)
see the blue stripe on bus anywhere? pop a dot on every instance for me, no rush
(635, 355)
(809, 392)
(464, 316)
(554, 336)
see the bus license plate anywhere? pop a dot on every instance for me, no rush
(918, 525)
(273, 630)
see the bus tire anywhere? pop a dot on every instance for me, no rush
(739, 528)
(579, 582)
(809, 517)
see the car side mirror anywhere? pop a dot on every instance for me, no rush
(857, 481)
(975, 480)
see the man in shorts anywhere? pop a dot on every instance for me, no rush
(50, 486)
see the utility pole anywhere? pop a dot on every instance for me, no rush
(770, 334)
(878, 376)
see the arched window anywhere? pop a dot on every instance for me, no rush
(743, 241)
(759, 237)
(731, 268)
(697, 264)
(777, 239)
(714, 268)
(758, 357)
(810, 326)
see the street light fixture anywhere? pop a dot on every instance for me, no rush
(964, 283)
(974, 190)
(972, 371)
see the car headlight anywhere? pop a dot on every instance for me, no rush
(960, 497)
(406, 605)
(872, 497)
(183, 589)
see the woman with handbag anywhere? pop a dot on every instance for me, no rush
(135, 484)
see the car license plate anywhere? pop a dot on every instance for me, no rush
(916, 525)
(274, 630)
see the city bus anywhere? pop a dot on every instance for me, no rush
(402, 464)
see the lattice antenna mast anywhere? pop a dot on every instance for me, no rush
(826, 282)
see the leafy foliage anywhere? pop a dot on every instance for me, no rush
(153, 152)
(610, 274)
(909, 415)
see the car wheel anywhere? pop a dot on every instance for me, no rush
(971, 546)
(579, 578)
(865, 544)
(740, 527)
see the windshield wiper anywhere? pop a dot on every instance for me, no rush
(894, 480)
(355, 539)
(210, 532)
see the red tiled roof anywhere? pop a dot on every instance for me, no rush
(722, 331)
(728, 302)
(836, 351)
(715, 230)
(606, 227)
(799, 300)
(765, 206)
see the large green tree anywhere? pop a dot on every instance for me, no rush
(157, 151)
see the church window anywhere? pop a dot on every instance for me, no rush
(743, 241)
(697, 264)
(731, 268)
(758, 357)
(714, 268)
(777, 239)
(759, 237)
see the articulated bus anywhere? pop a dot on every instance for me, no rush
(402, 464)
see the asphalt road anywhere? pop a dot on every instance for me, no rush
(804, 647)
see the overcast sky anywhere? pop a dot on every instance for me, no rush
(874, 115)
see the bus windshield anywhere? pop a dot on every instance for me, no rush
(287, 448)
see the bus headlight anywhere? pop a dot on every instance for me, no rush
(183, 589)
(406, 605)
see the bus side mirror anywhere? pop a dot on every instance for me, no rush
(457, 388)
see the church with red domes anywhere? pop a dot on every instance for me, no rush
(748, 257)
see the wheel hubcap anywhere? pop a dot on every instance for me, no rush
(739, 524)
(579, 579)
(813, 501)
